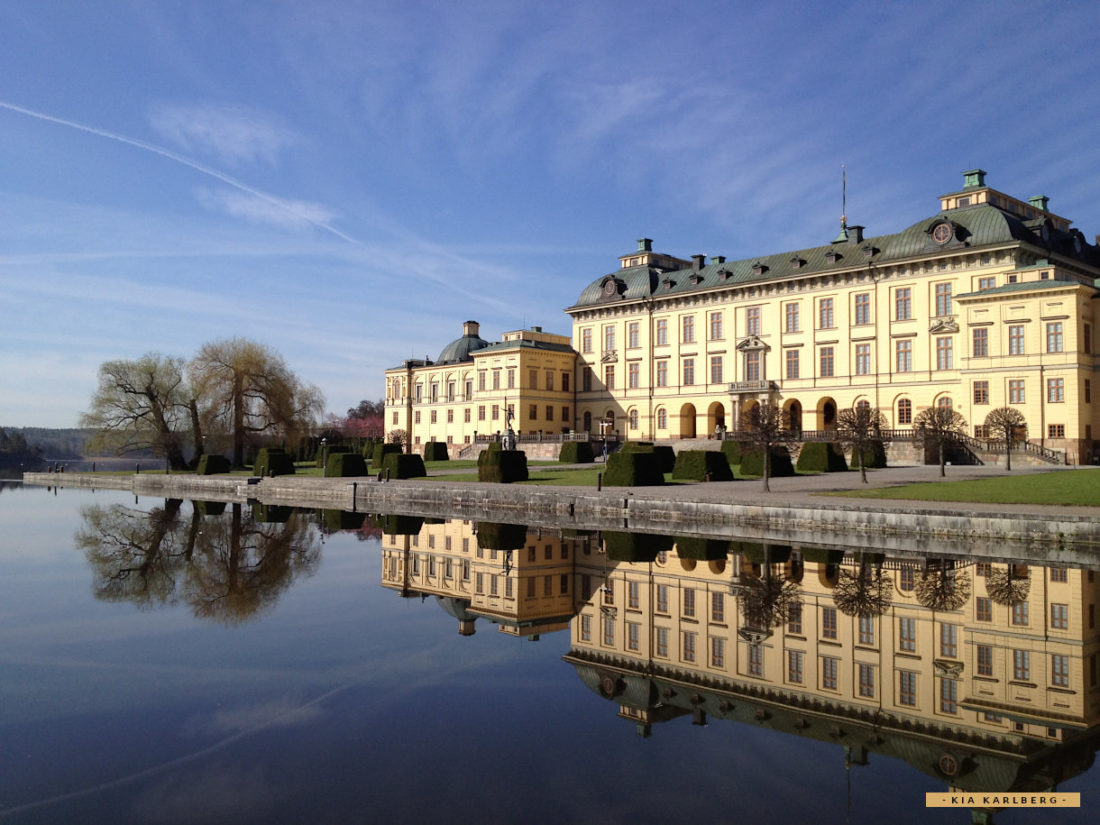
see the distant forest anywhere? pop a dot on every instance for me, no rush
(31, 446)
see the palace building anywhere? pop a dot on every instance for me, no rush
(987, 302)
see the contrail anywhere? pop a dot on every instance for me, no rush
(198, 167)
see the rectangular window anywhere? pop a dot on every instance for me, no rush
(662, 373)
(496, 379)
(863, 308)
(689, 372)
(1088, 393)
(1016, 339)
(1056, 430)
(792, 363)
(565, 382)
(752, 366)
(790, 316)
(863, 359)
(716, 326)
(949, 696)
(1059, 671)
(987, 283)
(944, 353)
(633, 335)
(609, 338)
(662, 598)
(907, 576)
(531, 587)
(586, 341)
(662, 642)
(608, 630)
(825, 318)
(752, 321)
(795, 668)
(829, 668)
(717, 652)
(981, 392)
(907, 635)
(533, 379)
(609, 376)
(687, 647)
(985, 660)
(867, 681)
(689, 602)
(549, 412)
(1016, 391)
(1086, 336)
(903, 304)
(826, 358)
(586, 628)
(904, 351)
(511, 379)
(533, 412)
(1020, 614)
(716, 369)
(907, 688)
(1021, 665)
(980, 342)
(794, 619)
(687, 326)
(633, 595)
(866, 630)
(949, 640)
(1059, 616)
(1056, 390)
(633, 636)
(828, 623)
(1058, 574)
(1054, 336)
(633, 375)
(756, 660)
(983, 609)
(943, 299)
(717, 607)
(662, 332)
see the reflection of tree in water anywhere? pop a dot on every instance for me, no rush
(766, 602)
(227, 567)
(942, 587)
(1010, 586)
(863, 592)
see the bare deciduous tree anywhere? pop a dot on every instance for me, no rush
(937, 427)
(767, 425)
(1003, 423)
(858, 428)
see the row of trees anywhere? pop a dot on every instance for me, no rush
(767, 425)
(235, 388)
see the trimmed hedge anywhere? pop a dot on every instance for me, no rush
(635, 546)
(636, 447)
(734, 450)
(329, 450)
(576, 452)
(502, 466)
(345, 465)
(436, 451)
(380, 453)
(752, 463)
(402, 465)
(494, 535)
(210, 465)
(821, 457)
(874, 456)
(342, 519)
(273, 461)
(696, 465)
(633, 469)
(759, 553)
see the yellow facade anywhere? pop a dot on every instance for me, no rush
(987, 304)
(459, 399)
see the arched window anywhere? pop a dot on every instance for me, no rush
(863, 404)
(944, 401)
(905, 411)
(662, 419)
(633, 419)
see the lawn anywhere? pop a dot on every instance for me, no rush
(1066, 487)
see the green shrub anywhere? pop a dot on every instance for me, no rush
(210, 508)
(689, 547)
(367, 451)
(759, 553)
(821, 457)
(210, 465)
(493, 535)
(436, 451)
(633, 469)
(502, 466)
(328, 450)
(874, 456)
(752, 463)
(696, 465)
(273, 461)
(576, 452)
(345, 465)
(822, 555)
(270, 514)
(402, 465)
(394, 525)
(666, 457)
(380, 453)
(342, 519)
(733, 450)
(636, 447)
(642, 547)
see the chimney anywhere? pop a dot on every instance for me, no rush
(536, 329)
(470, 329)
(1039, 202)
(718, 259)
(698, 262)
(855, 234)
(974, 179)
(645, 244)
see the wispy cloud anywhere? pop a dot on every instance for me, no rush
(230, 133)
(290, 214)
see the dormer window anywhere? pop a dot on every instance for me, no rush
(668, 283)
(696, 280)
(796, 263)
(724, 274)
(832, 256)
(759, 268)
(868, 251)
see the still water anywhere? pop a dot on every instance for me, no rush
(179, 662)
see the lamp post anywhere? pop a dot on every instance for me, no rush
(324, 457)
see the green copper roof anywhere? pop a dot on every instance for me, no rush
(460, 349)
(1021, 286)
(973, 227)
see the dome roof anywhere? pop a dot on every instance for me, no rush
(460, 348)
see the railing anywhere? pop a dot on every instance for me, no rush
(752, 386)
(548, 438)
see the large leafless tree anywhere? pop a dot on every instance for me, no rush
(766, 425)
(937, 427)
(858, 429)
(1004, 423)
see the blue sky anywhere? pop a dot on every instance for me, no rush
(348, 182)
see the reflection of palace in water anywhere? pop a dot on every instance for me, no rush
(984, 676)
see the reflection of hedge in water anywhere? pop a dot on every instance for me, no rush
(759, 553)
(270, 514)
(822, 555)
(635, 546)
(493, 535)
(342, 520)
(690, 547)
(209, 508)
(394, 525)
